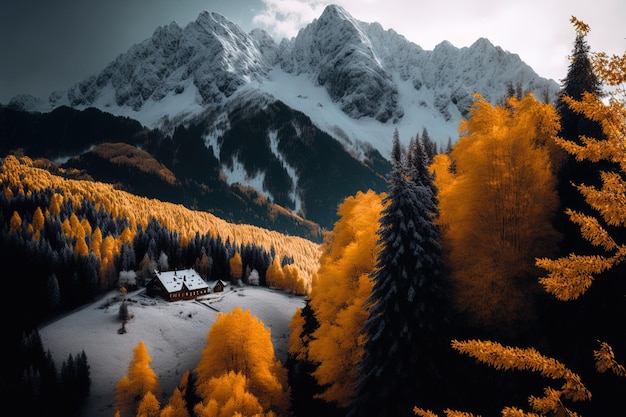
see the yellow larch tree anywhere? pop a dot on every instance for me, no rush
(76, 227)
(96, 242)
(55, 204)
(274, 276)
(236, 267)
(176, 405)
(504, 178)
(148, 406)
(80, 247)
(38, 219)
(108, 250)
(293, 282)
(15, 224)
(239, 342)
(66, 228)
(227, 396)
(140, 380)
(338, 296)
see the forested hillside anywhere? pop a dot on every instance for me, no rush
(66, 241)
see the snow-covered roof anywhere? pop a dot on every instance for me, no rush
(173, 281)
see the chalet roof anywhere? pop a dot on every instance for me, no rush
(173, 281)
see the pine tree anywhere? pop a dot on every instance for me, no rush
(406, 328)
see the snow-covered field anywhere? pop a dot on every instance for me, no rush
(174, 334)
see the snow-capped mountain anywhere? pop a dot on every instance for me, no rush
(355, 80)
(267, 110)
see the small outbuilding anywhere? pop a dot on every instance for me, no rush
(219, 286)
(184, 284)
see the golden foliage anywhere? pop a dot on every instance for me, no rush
(176, 406)
(128, 155)
(38, 219)
(148, 406)
(236, 267)
(293, 283)
(605, 360)
(140, 380)
(19, 174)
(274, 276)
(15, 224)
(506, 358)
(226, 396)
(80, 247)
(338, 296)
(504, 178)
(239, 342)
(296, 344)
(449, 413)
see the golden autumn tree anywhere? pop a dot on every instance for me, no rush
(140, 380)
(496, 208)
(55, 204)
(38, 219)
(108, 250)
(239, 342)
(338, 296)
(274, 276)
(293, 282)
(80, 247)
(96, 242)
(176, 405)
(15, 224)
(236, 268)
(226, 396)
(148, 406)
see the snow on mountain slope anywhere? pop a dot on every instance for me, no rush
(355, 80)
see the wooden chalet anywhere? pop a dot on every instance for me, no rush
(184, 284)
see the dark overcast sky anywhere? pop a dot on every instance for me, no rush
(46, 45)
(51, 44)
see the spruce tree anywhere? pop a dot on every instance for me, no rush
(405, 330)
(580, 79)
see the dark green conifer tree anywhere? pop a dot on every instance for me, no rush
(580, 79)
(406, 329)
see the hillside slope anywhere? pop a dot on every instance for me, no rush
(174, 334)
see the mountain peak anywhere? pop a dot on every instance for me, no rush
(338, 54)
(334, 11)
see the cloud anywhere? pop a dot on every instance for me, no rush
(284, 18)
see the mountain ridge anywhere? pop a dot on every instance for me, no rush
(368, 73)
